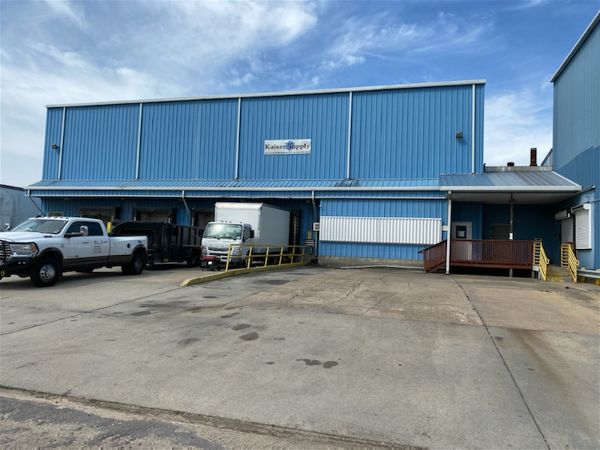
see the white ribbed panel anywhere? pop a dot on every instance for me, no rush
(381, 230)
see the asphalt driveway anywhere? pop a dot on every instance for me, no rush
(391, 356)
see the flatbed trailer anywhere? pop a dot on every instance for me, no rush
(167, 242)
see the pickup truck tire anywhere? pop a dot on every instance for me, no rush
(46, 272)
(136, 265)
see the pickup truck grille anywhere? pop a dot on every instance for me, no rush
(4, 250)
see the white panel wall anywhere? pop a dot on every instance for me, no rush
(381, 230)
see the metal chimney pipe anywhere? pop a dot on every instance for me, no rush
(533, 157)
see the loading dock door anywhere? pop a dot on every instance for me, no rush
(155, 215)
(566, 230)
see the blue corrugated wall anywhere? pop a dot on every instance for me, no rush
(412, 133)
(100, 143)
(379, 208)
(188, 140)
(53, 131)
(469, 212)
(576, 139)
(322, 118)
(396, 134)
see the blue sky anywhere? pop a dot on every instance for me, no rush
(77, 51)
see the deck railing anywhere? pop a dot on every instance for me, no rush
(508, 254)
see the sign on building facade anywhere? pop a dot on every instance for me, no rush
(288, 147)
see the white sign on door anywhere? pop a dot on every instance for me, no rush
(288, 147)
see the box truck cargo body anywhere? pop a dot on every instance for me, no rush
(256, 224)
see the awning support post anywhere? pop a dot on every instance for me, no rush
(448, 233)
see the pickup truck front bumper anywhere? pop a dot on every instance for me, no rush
(16, 265)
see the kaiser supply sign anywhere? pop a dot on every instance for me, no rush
(288, 147)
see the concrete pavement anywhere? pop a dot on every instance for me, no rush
(386, 355)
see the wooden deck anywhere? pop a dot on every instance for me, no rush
(498, 254)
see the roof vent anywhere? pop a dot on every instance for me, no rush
(510, 164)
(533, 157)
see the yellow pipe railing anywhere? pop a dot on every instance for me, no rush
(540, 259)
(282, 251)
(569, 260)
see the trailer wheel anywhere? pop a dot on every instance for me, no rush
(136, 265)
(192, 261)
(45, 273)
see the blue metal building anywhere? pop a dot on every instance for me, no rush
(384, 171)
(576, 142)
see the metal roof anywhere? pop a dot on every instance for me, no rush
(577, 46)
(510, 181)
(282, 93)
(240, 185)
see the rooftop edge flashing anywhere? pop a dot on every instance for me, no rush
(278, 94)
(576, 47)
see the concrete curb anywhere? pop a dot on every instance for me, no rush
(236, 272)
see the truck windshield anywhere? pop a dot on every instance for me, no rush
(50, 226)
(223, 231)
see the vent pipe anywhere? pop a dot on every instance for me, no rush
(533, 157)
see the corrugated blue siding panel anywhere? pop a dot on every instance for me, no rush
(52, 156)
(411, 133)
(100, 142)
(469, 212)
(577, 107)
(322, 118)
(379, 208)
(188, 140)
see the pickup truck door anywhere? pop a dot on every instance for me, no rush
(81, 250)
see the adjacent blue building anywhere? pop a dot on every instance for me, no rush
(576, 142)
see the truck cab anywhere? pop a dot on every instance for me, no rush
(218, 236)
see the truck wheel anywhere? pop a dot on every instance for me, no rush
(45, 273)
(135, 266)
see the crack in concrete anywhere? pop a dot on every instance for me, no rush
(512, 377)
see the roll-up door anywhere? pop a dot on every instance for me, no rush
(583, 227)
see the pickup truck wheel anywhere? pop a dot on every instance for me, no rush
(45, 273)
(135, 266)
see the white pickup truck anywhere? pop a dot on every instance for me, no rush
(43, 248)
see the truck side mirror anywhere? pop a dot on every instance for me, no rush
(251, 236)
(83, 230)
(6, 227)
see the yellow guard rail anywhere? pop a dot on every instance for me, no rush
(540, 259)
(569, 260)
(278, 254)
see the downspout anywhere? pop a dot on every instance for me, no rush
(186, 207)
(315, 219)
(511, 233)
(448, 233)
(473, 129)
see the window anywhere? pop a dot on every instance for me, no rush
(94, 228)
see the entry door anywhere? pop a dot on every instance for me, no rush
(462, 230)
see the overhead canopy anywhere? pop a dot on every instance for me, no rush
(520, 185)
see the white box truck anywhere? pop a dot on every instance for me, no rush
(256, 224)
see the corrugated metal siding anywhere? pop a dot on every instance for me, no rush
(469, 212)
(322, 118)
(479, 126)
(188, 140)
(52, 156)
(412, 133)
(100, 143)
(381, 230)
(374, 251)
(577, 111)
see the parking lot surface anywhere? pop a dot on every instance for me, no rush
(392, 356)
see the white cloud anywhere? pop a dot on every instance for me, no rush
(69, 10)
(377, 36)
(516, 121)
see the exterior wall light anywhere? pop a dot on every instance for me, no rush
(459, 135)
(55, 146)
